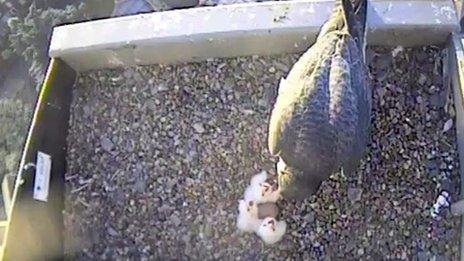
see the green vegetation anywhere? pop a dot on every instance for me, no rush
(14, 117)
(25, 30)
(29, 33)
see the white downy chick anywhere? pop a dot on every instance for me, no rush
(271, 231)
(260, 191)
(258, 178)
(247, 220)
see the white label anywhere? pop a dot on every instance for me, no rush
(42, 176)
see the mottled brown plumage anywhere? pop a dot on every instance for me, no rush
(320, 120)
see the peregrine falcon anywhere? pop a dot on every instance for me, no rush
(320, 121)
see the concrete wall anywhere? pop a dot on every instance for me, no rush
(235, 30)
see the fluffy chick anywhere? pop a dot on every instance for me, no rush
(258, 178)
(262, 192)
(247, 220)
(271, 231)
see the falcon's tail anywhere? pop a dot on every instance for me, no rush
(354, 12)
(348, 15)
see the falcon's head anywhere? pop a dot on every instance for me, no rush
(269, 224)
(294, 183)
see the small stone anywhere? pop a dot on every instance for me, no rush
(443, 166)
(310, 217)
(422, 79)
(111, 231)
(397, 50)
(162, 88)
(199, 127)
(106, 144)
(448, 125)
(272, 70)
(262, 103)
(354, 194)
(175, 220)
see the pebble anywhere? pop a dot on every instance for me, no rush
(354, 194)
(448, 125)
(112, 232)
(199, 127)
(422, 79)
(106, 144)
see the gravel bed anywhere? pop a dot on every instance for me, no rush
(159, 155)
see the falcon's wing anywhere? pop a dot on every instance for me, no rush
(290, 88)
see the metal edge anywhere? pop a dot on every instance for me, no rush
(34, 229)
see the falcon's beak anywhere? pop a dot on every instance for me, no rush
(280, 165)
(272, 223)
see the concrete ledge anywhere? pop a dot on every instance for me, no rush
(243, 29)
(411, 23)
(190, 34)
(456, 71)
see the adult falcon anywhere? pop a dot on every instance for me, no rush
(321, 118)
